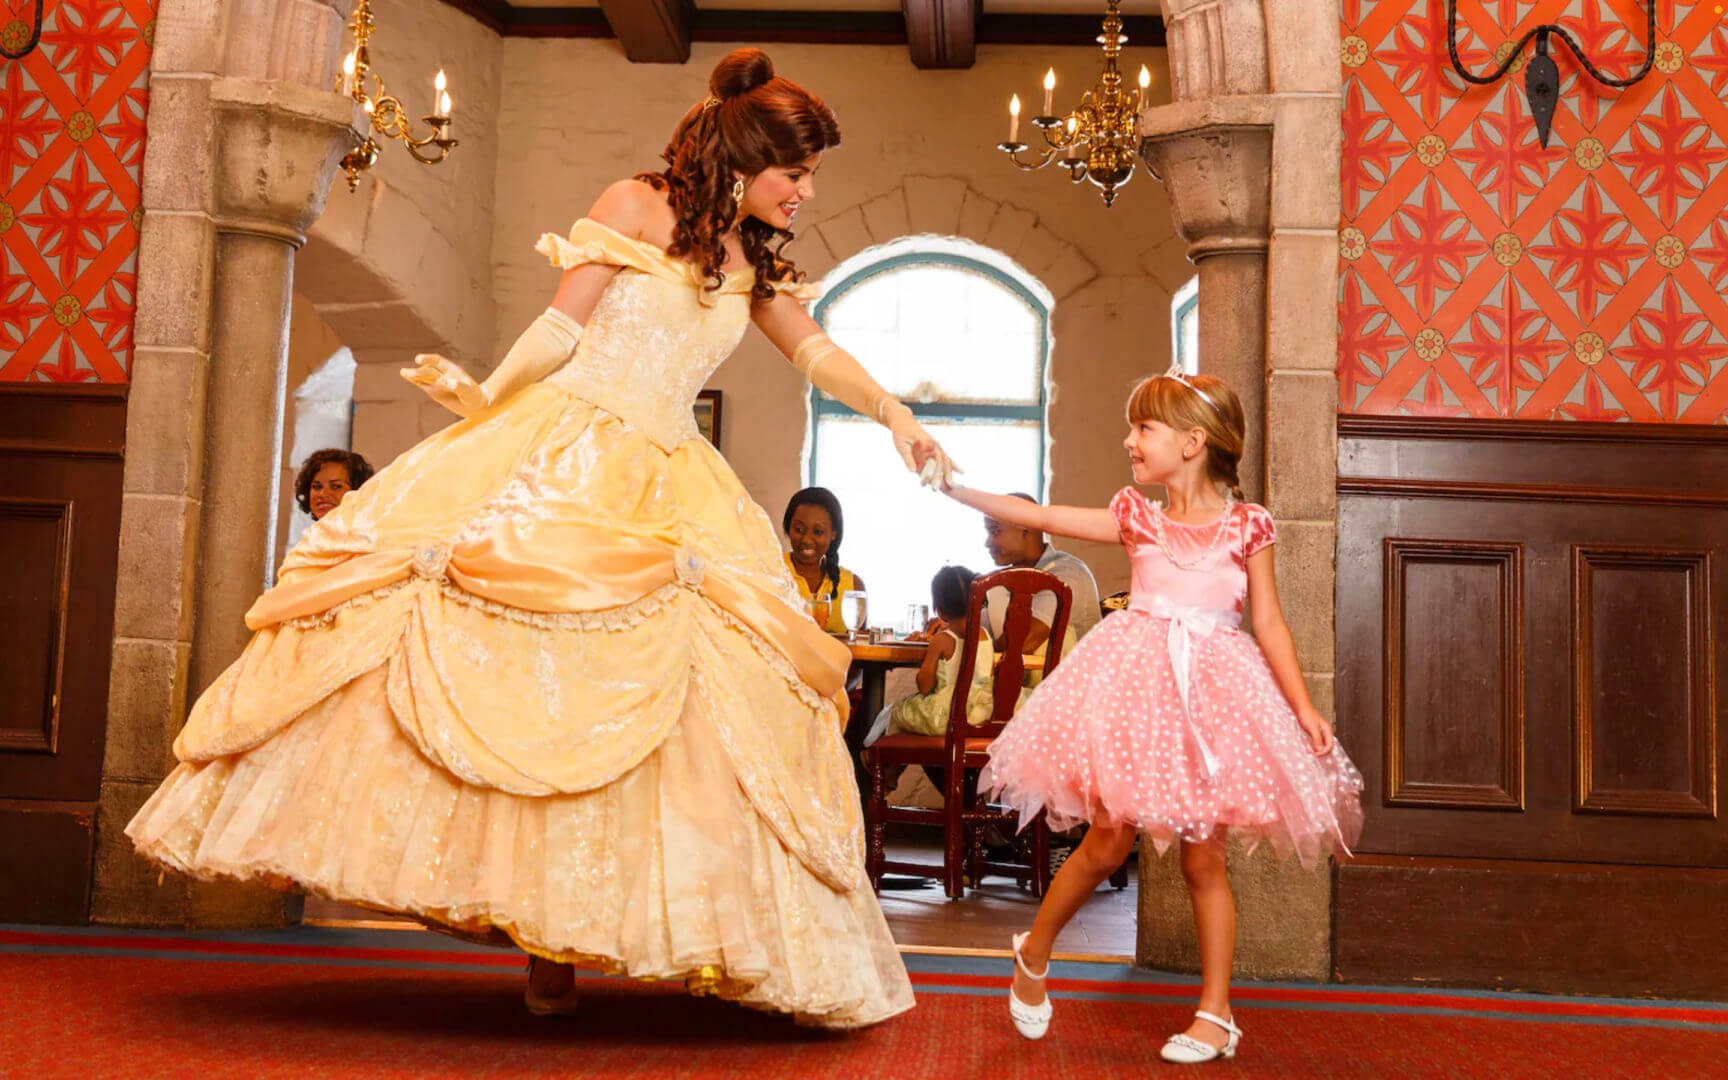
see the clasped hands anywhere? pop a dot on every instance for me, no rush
(923, 455)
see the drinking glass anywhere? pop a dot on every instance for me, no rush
(854, 612)
(819, 610)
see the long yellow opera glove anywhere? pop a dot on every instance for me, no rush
(543, 348)
(838, 373)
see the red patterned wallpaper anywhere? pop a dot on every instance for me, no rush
(1486, 277)
(71, 146)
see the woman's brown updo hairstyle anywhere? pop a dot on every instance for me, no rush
(759, 121)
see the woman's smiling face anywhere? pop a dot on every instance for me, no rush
(810, 534)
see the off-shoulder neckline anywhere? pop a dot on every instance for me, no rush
(661, 253)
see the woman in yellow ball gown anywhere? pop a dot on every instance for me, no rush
(547, 675)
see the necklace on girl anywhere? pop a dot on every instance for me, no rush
(1220, 529)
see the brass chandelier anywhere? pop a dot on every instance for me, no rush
(1099, 140)
(385, 112)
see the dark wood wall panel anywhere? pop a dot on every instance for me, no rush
(1454, 703)
(61, 465)
(1528, 631)
(1645, 721)
(1578, 928)
(35, 549)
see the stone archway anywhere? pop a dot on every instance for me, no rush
(1249, 152)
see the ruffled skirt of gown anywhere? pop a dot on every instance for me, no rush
(542, 678)
(1106, 737)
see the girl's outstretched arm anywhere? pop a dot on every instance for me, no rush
(1077, 522)
(1273, 634)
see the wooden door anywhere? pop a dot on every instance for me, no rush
(1529, 630)
(60, 487)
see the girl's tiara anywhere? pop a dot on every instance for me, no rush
(1175, 373)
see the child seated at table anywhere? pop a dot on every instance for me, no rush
(926, 712)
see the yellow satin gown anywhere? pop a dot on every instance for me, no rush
(547, 675)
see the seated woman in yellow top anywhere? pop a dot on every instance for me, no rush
(814, 527)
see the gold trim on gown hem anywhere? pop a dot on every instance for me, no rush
(547, 677)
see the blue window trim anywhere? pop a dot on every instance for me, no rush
(1192, 304)
(820, 406)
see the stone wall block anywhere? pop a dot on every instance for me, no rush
(1306, 557)
(383, 430)
(933, 204)
(1009, 229)
(1302, 446)
(1302, 315)
(176, 268)
(176, 173)
(1069, 272)
(395, 325)
(1306, 60)
(1039, 250)
(886, 217)
(146, 708)
(153, 594)
(307, 46)
(1307, 149)
(130, 890)
(976, 214)
(188, 36)
(845, 234)
(165, 422)
(811, 255)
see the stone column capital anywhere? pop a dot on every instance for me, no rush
(275, 156)
(1217, 170)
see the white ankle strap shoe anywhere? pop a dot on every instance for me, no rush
(1185, 1050)
(1031, 1021)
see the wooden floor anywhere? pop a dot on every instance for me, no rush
(926, 919)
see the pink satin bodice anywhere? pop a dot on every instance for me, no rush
(1217, 553)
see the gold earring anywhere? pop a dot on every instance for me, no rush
(738, 190)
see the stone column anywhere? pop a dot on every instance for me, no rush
(236, 170)
(1219, 176)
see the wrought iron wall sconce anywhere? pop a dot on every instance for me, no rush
(1542, 76)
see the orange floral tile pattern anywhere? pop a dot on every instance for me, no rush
(1485, 276)
(71, 150)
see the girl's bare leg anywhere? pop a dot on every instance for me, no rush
(1101, 852)
(1203, 866)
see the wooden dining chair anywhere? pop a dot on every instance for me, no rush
(965, 748)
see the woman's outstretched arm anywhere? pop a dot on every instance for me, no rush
(1077, 522)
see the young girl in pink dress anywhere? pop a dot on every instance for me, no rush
(1167, 719)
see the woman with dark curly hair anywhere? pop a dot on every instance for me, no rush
(547, 677)
(325, 477)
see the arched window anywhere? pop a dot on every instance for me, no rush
(1185, 327)
(962, 335)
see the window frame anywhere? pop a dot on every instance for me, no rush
(1186, 302)
(1038, 411)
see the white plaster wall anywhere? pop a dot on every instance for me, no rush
(575, 116)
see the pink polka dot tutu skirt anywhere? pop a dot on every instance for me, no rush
(1112, 735)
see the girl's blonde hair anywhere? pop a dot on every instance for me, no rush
(1177, 403)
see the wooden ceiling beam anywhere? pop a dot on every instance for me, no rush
(651, 31)
(941, 33)
(808, 27)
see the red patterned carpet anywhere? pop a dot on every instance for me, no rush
(378, 1004)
